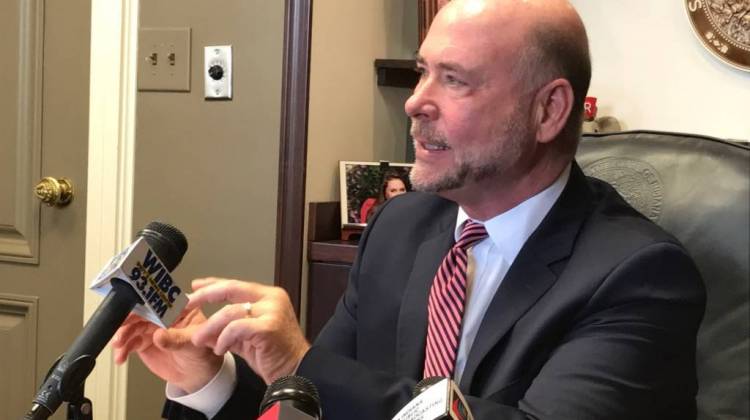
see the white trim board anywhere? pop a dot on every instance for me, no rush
(114, 32)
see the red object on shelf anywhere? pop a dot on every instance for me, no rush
(589, 108)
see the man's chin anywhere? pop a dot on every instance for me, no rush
(437, 185)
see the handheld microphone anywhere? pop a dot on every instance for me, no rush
(291, 398)
(146, 266)
(436, 398)
(139, 279)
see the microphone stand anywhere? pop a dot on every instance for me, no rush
(65, 379)
(79, 407)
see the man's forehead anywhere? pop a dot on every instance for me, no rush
(507, 15)
(468, 42)
(482, 12)
(446, 61)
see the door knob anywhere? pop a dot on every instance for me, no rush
(54, 192)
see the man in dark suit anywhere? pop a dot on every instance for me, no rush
(541, 292)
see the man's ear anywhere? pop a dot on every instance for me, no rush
(552, 106)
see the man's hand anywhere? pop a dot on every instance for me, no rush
(169, 353)
(267, 336)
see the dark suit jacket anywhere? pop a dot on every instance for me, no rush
(596, 318)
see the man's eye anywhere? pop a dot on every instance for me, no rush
(452, 80)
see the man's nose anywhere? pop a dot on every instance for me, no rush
(422, 104)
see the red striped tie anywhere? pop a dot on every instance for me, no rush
(445, 307)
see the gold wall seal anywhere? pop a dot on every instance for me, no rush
(723, 26)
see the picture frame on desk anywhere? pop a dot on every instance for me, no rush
(365, 186)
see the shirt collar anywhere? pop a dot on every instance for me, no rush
(510, 230)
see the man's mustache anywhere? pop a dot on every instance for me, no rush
(427, 133)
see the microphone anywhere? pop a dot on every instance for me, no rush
(146, 266)
(291, 398)
(436, 398)
(138, 279)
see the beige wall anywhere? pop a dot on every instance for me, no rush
(211, 167)
(351, 118)
(652, 72)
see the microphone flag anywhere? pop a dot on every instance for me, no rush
(139, 266)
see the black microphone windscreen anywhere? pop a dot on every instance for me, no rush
(167, 242)
(296, 389)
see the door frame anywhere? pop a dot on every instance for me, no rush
(113, 86)
(290, 208)
(114, 40)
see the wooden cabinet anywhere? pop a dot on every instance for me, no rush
(327, 283)
(330, 260)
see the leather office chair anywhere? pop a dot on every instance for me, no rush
(695, 187)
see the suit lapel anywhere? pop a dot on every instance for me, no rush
(412, 320)
(529, 277)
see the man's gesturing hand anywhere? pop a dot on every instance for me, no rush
(168, 353)
(267, 336)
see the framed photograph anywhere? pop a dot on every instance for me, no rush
(365, 186)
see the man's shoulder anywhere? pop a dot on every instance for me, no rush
(415, 206)
(420, 202)
(617, 225)
(414, 213)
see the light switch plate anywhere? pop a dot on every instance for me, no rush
(164, 59)
(217, 71)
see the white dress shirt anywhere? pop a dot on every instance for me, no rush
(209, 399)
(489, 263)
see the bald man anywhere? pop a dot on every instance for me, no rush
(539, 291)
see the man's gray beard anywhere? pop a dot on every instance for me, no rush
(421, 180)
(476, 166)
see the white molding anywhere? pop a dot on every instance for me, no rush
(114, 32)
